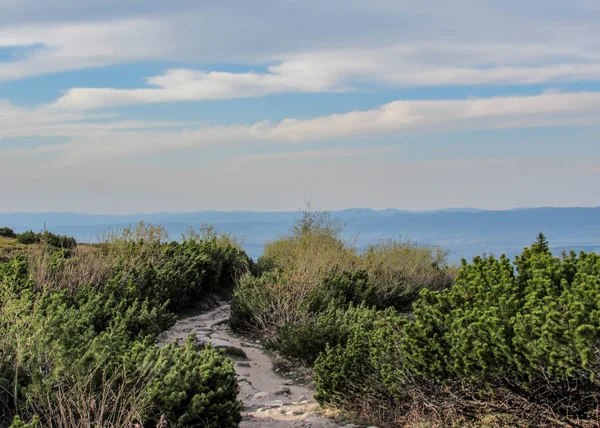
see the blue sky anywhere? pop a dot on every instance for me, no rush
(146, 106)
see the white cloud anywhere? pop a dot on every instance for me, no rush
(93, 140)
(335, 71)
(310, 48)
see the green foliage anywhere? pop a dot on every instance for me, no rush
(539, 325)
(29, 237)
(260, 304)
(193, 387)
(308, 339)
(521, 338)
(7, 232)
(78, 327)
(344, 288)
(48, 238)
(18, 423)
(349, 374)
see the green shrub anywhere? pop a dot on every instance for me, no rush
(345, 288)
(308, 339)
(78, 327)
(349, 375)
(7, 232)
(520, 340)
(29, 237)
(328, 310)
(534, 332)
(192, 387)
(18, 423)
(256, 303)
(46, 237)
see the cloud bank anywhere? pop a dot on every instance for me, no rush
(93, 140)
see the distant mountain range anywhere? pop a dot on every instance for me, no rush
(465, 232)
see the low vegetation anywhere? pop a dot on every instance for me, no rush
(508, 344)
(78, 327)
(300, 274)
(395, 335)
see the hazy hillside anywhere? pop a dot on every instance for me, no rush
(465, 232)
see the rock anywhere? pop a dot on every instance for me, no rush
(288, 382)
(303, 398)
(283, 391)
(216, 343)
(273, 404)
(260, 396)
(232, 351)
(352, 426)
(298, 412)
(257, 341)
(243, 364)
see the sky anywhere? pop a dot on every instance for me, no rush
(111, 106)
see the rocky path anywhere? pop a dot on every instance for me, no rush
(270, 401)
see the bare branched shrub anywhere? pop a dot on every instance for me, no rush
(94, 265)
(298, 264)
(132, 246)
(313, 248)
(86, 265)
(209, 233)
(120, 400)
(404, 266)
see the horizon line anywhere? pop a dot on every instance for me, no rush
(455, 209)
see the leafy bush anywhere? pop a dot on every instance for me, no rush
(18, 423)
(78, 327)
(350, 377)
(535, 332)
(46, 237)
(520, 343)
(333, 327)
(29, 237)
(7, 232)
(193, 387)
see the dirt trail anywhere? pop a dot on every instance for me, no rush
(270, 401)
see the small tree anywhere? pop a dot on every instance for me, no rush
(541, 244)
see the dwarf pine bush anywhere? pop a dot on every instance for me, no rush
(516, 339)
(78, 330)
